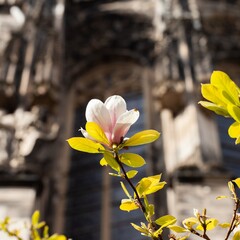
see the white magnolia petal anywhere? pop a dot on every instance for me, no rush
(97, 112)
(116, 106)
(123, 124)
(84, 133)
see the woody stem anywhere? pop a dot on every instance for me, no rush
(131, 184)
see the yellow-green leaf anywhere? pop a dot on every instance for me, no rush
(46, 231)
(95, 131)
(224, 225)
(177, 229)
(142, 186)
(85, 145)
(222, 81)
(155, 188)
(57, 237)
(234, 112)
(144, 231)
(190, 222)
(221, 197)
(184, 237)
(231, 187)
(236, 235)
(237, 181)
(149, 185)
(103, 162)
(143, 137)
(40, 225)
(35, 217)
(132, 159)
(211, 224)
(215, 108)
(111, 161)
(157, 233)
(128, 205)
(166, 220)
(212, 94)
(237, 141)
(125, 190)
(234, 130)
(132, 174)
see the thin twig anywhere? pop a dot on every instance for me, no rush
(204, 236)
(130, 183)
(135, 191)
(232, 226)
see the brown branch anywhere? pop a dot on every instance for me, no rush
(204, 236)
(232, 225)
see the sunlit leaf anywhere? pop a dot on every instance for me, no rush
(234, 111)
(132, 174)
(149, 185)
(115, 174)
(237, 140)
(125, 190)
(149, 207)
(211, 224)
(236, 235)
(237, 181)
(132, 159)
(222, 81)
(215, 108)
(221, 197)
(57, 237)
(143, 137)
(166, 221)
(95, 131)
(35, 217)
(212, 94)
(234, 131)
(128, 205)
(46, 231)
(40, 225)
(157, 233)
(224, 225)
(190, 222)
(111, 161)
(177, 229)
(184, 237)
(140, 229)
(85, 145)
(103, 162)
(142, 186)
(231, 187)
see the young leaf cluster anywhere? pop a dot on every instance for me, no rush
(223, 99)
(38, 230)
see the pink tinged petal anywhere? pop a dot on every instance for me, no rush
(97, 112)
(123, 124)
(116, 106)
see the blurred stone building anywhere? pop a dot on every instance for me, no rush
(56, 55)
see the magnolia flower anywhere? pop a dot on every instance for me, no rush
(112, 117)
(106, 128)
